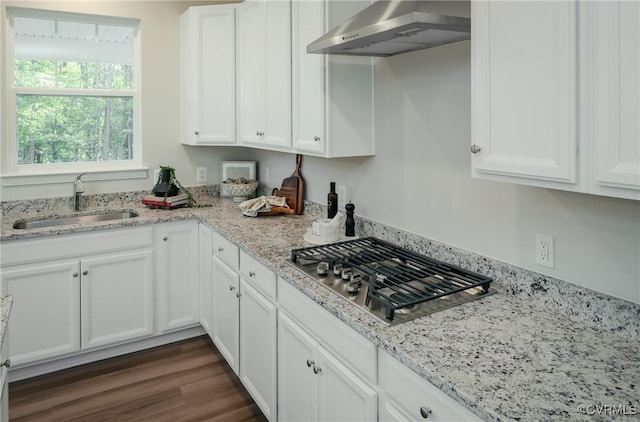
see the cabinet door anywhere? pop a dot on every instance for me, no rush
(258, 322)
(308, 24)
(524, 92)
(615, 88)
(342, 396)
(4, 383)
(45, 319)
(297, 384)
(251, 55)
(205, 276)
(278, 74)
(208, 75)
(264, 73)
(177, 275)
(226, 312)
(116, 298)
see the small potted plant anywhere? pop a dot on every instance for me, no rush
(168, 185)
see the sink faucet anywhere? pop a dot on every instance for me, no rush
(78, 189)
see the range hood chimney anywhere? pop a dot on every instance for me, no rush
(389, 27)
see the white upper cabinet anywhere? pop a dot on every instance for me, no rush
(614, 97)
(555, 97)
(524, 86)
(208, 72)
(332, 95)
(264, 74)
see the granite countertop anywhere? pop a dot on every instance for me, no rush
(502, 357)
(5, 309)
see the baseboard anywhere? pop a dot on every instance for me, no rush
(33, 370)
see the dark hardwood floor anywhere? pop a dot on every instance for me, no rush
(184, 381)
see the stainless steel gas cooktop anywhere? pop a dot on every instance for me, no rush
(389, 282)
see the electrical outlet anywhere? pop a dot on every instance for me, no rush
(342, 197)
(544, 250)
(201, 174)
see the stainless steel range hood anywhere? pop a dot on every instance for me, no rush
(389, 27)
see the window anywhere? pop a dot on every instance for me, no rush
(74, 90)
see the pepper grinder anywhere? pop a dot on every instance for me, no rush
(350, 224)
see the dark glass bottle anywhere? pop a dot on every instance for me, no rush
(332, 201)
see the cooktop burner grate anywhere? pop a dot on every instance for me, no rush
(398, 279)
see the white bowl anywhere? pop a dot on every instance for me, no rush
(240, 191)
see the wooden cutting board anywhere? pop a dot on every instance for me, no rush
(293, 188)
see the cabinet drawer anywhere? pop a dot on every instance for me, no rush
(258, 275)
(226, 251)
(411, 393)
(73, 245)
(354, 350)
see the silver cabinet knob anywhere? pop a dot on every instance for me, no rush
(252, 274)
(165, 238)
(316, 138)
(6, 363)
(220, 249)
(238, 294)
(75, 274)
(475, 148)
(316, 369)
(197, 132)
(425, 412)
(85, 272)
(232, 288)
(309, 363)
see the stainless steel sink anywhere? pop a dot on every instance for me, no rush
(76, 219)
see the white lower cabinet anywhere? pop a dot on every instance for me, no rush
(47, 292)
(405, 396)
(4, 381)
(205, 277)
(88, 302)
(177, 275)
(297, 383)
(124, 281)
(244, 321)
(315, 385)
(226, 314)
(258, 319)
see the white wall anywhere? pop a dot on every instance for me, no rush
(160, 37)
(420, 181)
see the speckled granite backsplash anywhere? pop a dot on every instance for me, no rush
(582, 304)
(45, 206)
(610, 313)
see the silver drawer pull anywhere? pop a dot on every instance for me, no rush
(316, 138)
(252, 274)
(232, 288)
(316, 369)
(309, 363)
(6, 363)
(425, 412)
(85, 272)
(475, 148)
(220, 249)
(75, 274)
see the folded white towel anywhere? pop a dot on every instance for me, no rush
(252, 207)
